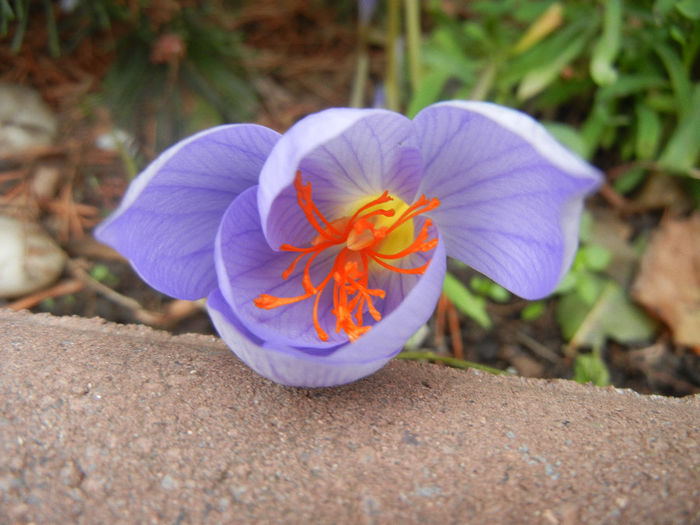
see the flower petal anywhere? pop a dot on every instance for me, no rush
(336, 365)
(284, 365)
(511, 196)
(388, 336)
(346, 154)
(168, 218)
(247, 267)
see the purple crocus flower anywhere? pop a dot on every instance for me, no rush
(366, 9)
(321, 251)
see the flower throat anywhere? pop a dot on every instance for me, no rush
(372, 227)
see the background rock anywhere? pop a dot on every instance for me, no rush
(29, 258)
(25, 119)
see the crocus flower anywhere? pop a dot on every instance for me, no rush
(322, 250)
(366, 10)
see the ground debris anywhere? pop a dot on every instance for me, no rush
(668, 284)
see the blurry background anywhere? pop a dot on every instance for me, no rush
(91, 91)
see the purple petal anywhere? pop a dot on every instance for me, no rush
(284, 365)
(418, 304)
(247, 267)
(337, 365)
(511, 196)
(366, 9)
(168, 219)
(346, 154)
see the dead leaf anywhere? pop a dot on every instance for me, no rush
(668, 283)
(661, 191)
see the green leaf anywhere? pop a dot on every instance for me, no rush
(570, 312)
(498, 293)
(466, 302)
(689, 9)
(567, 284)
(568, 136)
(596, 257)
(627, 85)
(545, 52)
(542, 76)
(533, 311)
(101, 273)
(682, 86)
(443, 53)
(586, 227)
(592, 130)
(486, 287)
(649, 130)
(590, 368)
(588, 285)
(681, 152)
(612, 316)
(608, 45)
(630, 179)
(662, 7)
(428, 91)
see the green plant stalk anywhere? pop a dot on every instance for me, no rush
(450, 361)
(54, 43)
(22, 13)
(608, 45)
(361, 69)
(485, 82)
(391, 77)
(6, 15)
(413, 42)
(126, 158)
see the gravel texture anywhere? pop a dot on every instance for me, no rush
(104, 423)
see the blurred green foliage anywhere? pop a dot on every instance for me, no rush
(614, 77)
(590, 368)
(469, 303)
(176, 63)
(185, 72)
(616, 82)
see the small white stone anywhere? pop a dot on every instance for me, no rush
(29, 258)
(25, 119)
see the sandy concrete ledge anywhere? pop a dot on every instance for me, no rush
(102, 423)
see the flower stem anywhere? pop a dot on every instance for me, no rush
(412, 8)
(362, 67)
(450, 361)
(391, 77)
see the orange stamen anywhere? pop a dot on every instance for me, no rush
(360, 238)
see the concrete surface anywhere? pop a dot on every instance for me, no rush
(102, 423)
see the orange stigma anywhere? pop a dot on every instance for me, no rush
(361, 235)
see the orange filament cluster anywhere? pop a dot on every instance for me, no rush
(361, 235)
